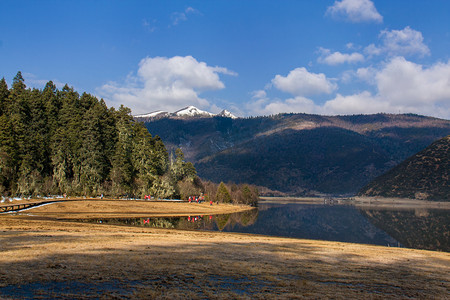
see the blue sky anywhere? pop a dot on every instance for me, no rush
(250, 57)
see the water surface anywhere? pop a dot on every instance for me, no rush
(413, 228)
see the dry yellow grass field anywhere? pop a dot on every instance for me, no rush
(129, 208)
(56, 259)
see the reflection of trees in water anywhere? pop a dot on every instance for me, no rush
(249, 217)
(171, 222)
(229, 221)
(420, 228)
(160, 222)
(202, 222)
(222, 220)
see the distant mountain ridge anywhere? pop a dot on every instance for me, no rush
(189, 111)
(299, 154)
(425, 175)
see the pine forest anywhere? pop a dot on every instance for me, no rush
(56, 141)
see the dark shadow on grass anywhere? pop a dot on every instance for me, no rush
(210, 270)
(16, 240)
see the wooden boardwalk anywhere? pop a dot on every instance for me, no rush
(16, 207)
(21, 206)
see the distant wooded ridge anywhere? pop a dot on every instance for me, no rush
(299, 154)
(425, 175)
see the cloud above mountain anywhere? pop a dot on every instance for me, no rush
(178, 17)
(355, 11)
(391, 73)
(163, 83)
(300, 82)
(404, 42)
(336, 58)
(400, 86)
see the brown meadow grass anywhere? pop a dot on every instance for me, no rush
(60, 259)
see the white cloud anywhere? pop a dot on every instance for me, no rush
(399, 42)
(178, 17)
(367, 74)
(373, 50)
(355, 11)
(265, 106)
(259, 94)
(355, 104)
(300, 82)
(296, 104)
(165, 84)
(401, 86)
(337, 58)
(351, 46)
(404, 82)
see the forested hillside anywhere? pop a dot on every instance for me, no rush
(299, 154)
(425, 175)
(56, 141)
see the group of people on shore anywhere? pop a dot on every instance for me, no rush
(198, 199)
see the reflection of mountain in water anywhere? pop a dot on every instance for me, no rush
(333, 223)
(420, 229)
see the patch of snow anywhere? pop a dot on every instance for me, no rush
(153, 114)
(192, 111)
(225, 113)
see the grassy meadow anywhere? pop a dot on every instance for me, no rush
(46, 258)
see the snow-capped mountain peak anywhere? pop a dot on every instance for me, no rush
(192, 111)
(154, 114)
(189, 111)
(225, 113)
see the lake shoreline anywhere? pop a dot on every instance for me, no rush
(372, 202)
(96, 208)
(67, 259)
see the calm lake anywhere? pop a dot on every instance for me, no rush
(411, 228)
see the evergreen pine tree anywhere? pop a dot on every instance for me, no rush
(94, 166)
(223, 195)
(8, 157)
(122, 172)
(4, 93)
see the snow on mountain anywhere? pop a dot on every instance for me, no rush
(225, 113)
(158, 113)
(192, 111)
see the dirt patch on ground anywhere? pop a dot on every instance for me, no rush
(51, 259)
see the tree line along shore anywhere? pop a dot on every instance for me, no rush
(55, 142)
